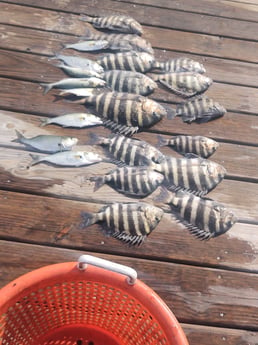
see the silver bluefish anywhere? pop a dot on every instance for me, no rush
(79, 120)
(204, 218)
(130, 61)
(200, 110)
(68, 83)
(126, 113)
(122, 42)
(196, 175)
(68, 158)
(78, 72)
(130, 223)
(134, 181)
(185, 84)
(181, 64)
(47, 143)
(85, 46)
(76, 61)
(119, 23)
(199, 145)
(132, 152)
(129, 81)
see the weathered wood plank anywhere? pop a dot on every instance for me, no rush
(49, 224)
(186, 21)
(239, 160)
(214, 297)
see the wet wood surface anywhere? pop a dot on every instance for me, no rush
(212, 287)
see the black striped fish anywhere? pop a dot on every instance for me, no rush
(199, 145)
(126, 113)
(181, 64)
(122, 42)
(128, 151)
(119, 23)
(129, 61)
(185, 84)
(130, 223)
(129, 81)
(196, 175)
(203, 217)
(134, 181)
(200, 110)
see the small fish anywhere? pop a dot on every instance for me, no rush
(185, 84)
(129, 81)
(80, 92)
(67, 158)
(69, 83)
(79, 120)
(200, 110)
(203, 217)
(78, 72)
(129, 151)
(129, 61)
(130, 223)
(199, 145)
(119, 23)
(196, 175)
(134, 181)
(76, 61)
(181, 64)
(85, 46)
(47, 143)
(126, 113)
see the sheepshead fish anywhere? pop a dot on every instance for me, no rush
(203, 217)
(129, 61)
(119, 23)
(200, 110)
(85, 46)
(68, 158)
(185, 84)
(196, 175)
(126, 113)
(69, 83)
(130, 223)
(134, 181)
(199, 145)
(128, 151)
(181, 64)
(79, 120)
(78, 72)
(129, 81)
(47, 143)
(76, 61)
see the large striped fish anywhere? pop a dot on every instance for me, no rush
(185, 84)
(129, 81)
(119, 23)
(129, 61)
(181, 64)
(195, 175)
(126, 113)
(130, 223)
(200, 110)
(199, 145)
(204, 218)
(128, 151)
(134, 181)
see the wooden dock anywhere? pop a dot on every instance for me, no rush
(211, 287)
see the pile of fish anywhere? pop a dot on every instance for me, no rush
(115, 86)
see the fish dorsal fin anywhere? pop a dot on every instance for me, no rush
(121, 129)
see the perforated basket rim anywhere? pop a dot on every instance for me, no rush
(69, 272)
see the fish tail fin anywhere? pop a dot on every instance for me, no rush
(95, 139)
(171, 113)
(161, 141)
(35, 159)
(164, 196)
(44, 122)
(20, 136)
(88, 219)
(86, 18)
(99, 182)
(46, 87)
(88, 34)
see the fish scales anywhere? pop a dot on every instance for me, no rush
(199, 145)
(130, 223)
(181, 64)
(205, 218)
(73, 120)
(196, 175)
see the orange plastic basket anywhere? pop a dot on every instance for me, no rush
(85, 303)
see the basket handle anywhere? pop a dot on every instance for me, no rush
(84, 260)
